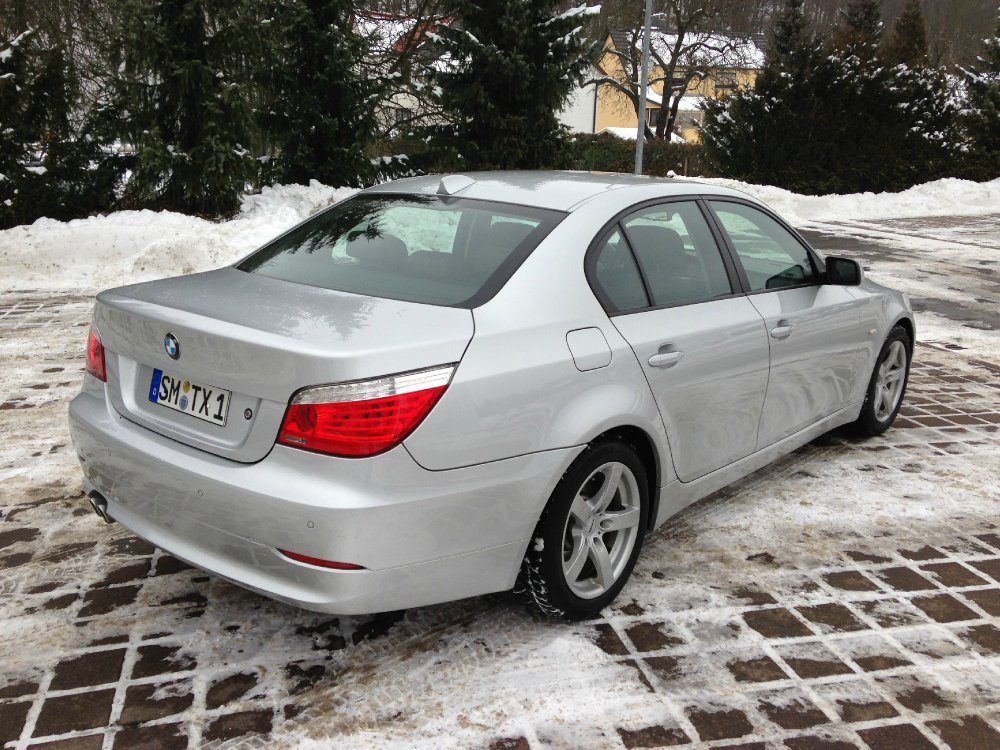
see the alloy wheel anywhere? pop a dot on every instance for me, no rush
(890, 381)
(601, 529)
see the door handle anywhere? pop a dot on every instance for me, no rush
(666, 359)
(782, 330)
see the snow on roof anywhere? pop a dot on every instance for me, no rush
(631, 133)
(689, 102)
(707, 49)
(715, 50)
(692, 102)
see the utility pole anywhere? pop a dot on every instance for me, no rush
(640, 136)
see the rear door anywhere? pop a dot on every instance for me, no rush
(814, 329)
(702, 346)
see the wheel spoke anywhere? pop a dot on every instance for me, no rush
(894, 376)
(612, 477)
(602, 561)
(618, 520)
(887, 398)
(580, 510)
(577, 558)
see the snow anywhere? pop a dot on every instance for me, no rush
(947, 197)
(6, 54)
(127, 246)
(580, 10)
(715, 50)
(630, 134)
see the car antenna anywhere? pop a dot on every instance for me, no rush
(454, 183)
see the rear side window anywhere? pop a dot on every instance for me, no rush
(617, 276)
(770, 255)
(677, 253)
(418, 248)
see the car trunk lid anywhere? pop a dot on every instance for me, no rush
(245, 343)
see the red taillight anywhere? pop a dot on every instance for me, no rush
(95, 357)
(319, 562)
(365, 418)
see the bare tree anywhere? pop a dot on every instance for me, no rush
(401, 34)
(692, 41)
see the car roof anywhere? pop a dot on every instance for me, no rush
(559, 190)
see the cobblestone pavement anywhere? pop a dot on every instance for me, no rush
(848, 596)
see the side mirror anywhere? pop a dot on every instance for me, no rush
(844, 271)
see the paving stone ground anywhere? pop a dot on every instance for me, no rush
(753, 620)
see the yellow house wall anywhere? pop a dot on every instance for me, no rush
(615, 110)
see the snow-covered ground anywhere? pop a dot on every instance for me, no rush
(849, 593)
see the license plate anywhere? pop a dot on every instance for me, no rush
(206, 402)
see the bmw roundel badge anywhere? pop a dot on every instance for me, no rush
(172, 345)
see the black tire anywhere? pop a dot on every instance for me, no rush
(541, 582)
(875, 418)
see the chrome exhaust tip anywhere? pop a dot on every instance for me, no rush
(100, 506)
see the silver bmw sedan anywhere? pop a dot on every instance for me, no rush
(448, 386)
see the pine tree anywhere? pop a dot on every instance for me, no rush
(861, 28)
(827, 119)
(789, 33)
(512, 64)
(767, 134)
(14, 133)
(319, 117)
(47, 165)
(982, 120)
(180, 100)
(908, 43)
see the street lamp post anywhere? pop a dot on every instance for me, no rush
(640, 136)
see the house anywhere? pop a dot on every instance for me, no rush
(708, 65)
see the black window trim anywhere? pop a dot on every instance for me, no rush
(818, 264)
(733, 272)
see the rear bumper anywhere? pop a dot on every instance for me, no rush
(423, 536)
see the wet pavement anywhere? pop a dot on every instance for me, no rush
(848, 596)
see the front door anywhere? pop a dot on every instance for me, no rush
(814, 329)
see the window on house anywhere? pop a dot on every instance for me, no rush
(725, 82)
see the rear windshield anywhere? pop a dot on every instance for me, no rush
(419, 248)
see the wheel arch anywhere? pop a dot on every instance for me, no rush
(907, 325)
(642, 443)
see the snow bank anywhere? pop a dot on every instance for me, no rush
(129, 246)
(948, 197)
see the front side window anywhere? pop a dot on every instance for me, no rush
(771, 255)
(677, 254)
(417, 248)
